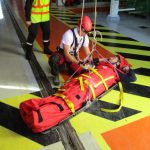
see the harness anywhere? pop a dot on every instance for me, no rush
(76, 43)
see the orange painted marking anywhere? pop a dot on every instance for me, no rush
(133, 136)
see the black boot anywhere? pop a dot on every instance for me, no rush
(46, 48)
(28, 51)
(56, 80)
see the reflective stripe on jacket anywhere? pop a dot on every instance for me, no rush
(40, 11)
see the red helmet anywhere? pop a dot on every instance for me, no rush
(86, 23)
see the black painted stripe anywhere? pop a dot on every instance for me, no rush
(123, 113)
(107, 30)
(98, 25)
(62, 12)
(136, 89)
(11, 119)
(142, 71)
(63, 15)
(138, 47)
(116, 37)
(69, 19)
(37, 94)
(135, 56)
(102, 30)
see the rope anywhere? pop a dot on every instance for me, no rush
(82, 14)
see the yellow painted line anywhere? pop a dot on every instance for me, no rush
(60, 11)
(15, 101)
(139, 63)
(67, 15)
(129, 51)
(103, 27)
(113, 34)
(62, 21)
(10, 140)
(131, 101)
(123, 41)
(142, 80)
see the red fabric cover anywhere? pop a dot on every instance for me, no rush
(51, 115)
(76, 67)
(123, 62)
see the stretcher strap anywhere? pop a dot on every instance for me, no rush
(85, 75)
(81, 83)
(91, 88)
(100, 76)
(67, 101)
(62, 90)
(106, 79)
(120, 99)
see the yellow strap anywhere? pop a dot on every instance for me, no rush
(106, 79)
(67, 101)
(85, 75)
(81, 83)
(62, 90)
(120, 99)
(99, 75)
(91, 88)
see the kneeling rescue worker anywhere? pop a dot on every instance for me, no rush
(68, 52)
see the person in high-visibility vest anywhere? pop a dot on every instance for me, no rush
(37, 13)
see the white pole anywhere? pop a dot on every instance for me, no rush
(114, 9)
(60, 2)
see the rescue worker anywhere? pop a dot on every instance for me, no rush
(37, 13)
(68, 51)
(126, 74)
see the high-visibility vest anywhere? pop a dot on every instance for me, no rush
(40, 11)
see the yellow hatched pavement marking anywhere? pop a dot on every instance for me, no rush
(112, 34)
(128, 50)
(86, 122)
(10, 140)
(142, 80)
(15, 101)
(139, 63)
(122, 41)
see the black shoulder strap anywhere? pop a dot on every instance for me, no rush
(76, 43)
(74, 38)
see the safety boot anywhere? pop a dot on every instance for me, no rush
(46, 48)
(56, 80)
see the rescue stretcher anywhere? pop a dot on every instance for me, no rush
(74, 97)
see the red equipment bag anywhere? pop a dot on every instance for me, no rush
(44, 113)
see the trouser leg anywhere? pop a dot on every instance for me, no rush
(28, 50)
(54, 64)
(31, 37)
(45, 26)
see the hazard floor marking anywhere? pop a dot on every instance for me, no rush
(13, 127)
(85, 122)
(10, 139)
(134, 100)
